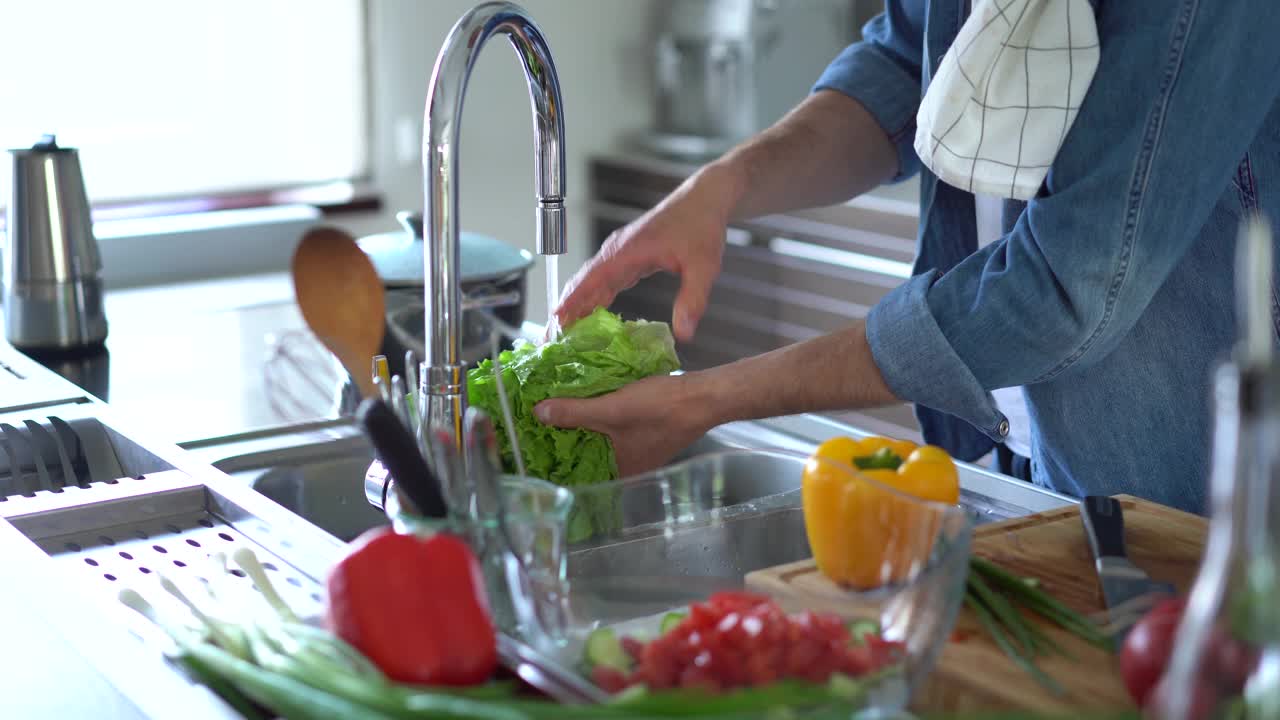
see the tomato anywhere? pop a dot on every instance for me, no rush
(1147, 648)
(1233, 662)
(736, 601)
(738, 639)
(1224, 669)
(632, 647)
(611, 680)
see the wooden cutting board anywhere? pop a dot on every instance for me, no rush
(972, 673)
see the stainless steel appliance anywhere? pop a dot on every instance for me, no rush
(725, 69)
(52, 269)
(705, 57)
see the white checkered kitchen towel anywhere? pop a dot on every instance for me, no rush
(1006, 93)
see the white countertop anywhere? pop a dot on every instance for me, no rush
(191, 360)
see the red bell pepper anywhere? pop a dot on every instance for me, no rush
(416, 607)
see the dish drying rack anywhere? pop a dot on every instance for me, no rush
(129, 532)
(117, 514)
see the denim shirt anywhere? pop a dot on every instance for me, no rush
(1110, 297)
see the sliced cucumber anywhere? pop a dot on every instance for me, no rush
(669, 621)
(630, 694)
(604, 649)
(845, 688)
(859, 630)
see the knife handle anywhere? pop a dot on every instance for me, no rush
(396, 447)
(1103, 525)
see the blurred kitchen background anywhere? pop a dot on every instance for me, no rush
(213, 134)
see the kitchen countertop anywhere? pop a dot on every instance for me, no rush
(67, 654)
(200, 360)
(186, 362)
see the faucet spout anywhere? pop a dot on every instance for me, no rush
(444, 372)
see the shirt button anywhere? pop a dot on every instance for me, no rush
(1003, 428)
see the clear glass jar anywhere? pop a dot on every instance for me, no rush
(525, 567)
(1226, 657)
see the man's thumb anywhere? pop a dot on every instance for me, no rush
(562, 413)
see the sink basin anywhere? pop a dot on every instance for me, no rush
(318, 472)
(322, 480)
(318, 476)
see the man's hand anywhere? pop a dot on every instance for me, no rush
(826, 150)
(683, 235)
(649, 421)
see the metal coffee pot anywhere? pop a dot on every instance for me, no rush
(52, 269)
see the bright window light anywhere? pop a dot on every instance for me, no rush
(166, 99)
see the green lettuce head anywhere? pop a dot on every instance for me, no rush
(596, 355)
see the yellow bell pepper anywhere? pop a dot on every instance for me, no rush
(867, 534)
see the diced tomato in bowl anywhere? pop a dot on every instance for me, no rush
(740, 640)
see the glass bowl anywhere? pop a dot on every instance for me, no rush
(676, 536)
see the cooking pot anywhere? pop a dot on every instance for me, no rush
(493, 277)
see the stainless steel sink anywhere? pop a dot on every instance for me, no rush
(320, 479)
(317, 471)
(666, 570)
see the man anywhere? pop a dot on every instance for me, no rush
(1107, 297)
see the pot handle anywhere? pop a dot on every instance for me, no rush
(491, 300)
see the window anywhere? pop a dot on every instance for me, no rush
(169, 99)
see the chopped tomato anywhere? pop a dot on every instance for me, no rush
(632, 647)
(609, 679)
(738, 639)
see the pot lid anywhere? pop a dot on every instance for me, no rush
(397, 256)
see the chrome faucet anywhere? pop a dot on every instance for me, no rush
(444, 371)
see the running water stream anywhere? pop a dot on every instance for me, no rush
(553, 294)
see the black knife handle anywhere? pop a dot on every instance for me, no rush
(1104, 525)
(399, 453)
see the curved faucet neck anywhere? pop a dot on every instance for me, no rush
(444, 371)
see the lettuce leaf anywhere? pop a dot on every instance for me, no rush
(596, 355)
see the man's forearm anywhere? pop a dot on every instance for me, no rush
(828, 149)
(832, 372)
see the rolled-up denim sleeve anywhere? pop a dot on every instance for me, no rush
(882, 72)
(1181, 90)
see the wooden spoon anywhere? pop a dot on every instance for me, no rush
(342, 300)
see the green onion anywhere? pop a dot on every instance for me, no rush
(258, 657)
(1000, 608)
(1041, 603)
(283, 695)
(221, 687)
(989, 622)
(998, 597)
